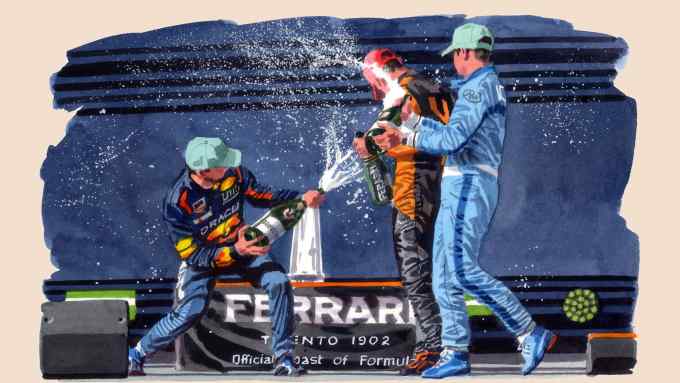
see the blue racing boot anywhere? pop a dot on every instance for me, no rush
(534, 347)
(286, 366)
(451, 363)
(135, 363)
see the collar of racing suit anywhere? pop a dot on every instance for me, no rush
(195, 186)
(458, 81)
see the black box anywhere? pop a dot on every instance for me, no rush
(84, 339)
(611, 356)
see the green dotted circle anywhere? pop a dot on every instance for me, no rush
(581, 305)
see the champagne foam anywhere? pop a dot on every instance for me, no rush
(395, 92)
(345, 169)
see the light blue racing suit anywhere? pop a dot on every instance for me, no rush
(473, 143)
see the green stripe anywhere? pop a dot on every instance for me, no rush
(126, 295)
(476, 309)
(101, 294)
(479, 311)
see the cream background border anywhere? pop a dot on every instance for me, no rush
(35, 37)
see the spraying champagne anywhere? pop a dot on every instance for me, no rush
(283, 217)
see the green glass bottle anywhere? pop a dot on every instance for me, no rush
(378, 180)
(277, 221)
(392, 115)
(375, 171)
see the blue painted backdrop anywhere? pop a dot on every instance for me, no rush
(281, 90)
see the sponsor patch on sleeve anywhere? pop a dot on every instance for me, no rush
(472, 95)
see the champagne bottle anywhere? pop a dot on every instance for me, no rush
(375, 170)
(377, 177)
(392, 115)
(277, 221)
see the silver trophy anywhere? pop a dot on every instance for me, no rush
(305, 251)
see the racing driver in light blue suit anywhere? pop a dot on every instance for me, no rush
(473, 144)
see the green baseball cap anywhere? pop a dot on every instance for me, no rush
(468, 36)
(210, 152)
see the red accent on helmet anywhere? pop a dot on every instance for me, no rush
(381, 56)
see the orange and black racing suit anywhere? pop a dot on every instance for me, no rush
(416, 201)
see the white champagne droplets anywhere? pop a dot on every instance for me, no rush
(345, 170)
(340, 166)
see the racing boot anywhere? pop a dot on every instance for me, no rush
(421, 362)
(286, 366)
(135, 363)
(451, 363)
(534, 348)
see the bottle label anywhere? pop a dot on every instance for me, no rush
(271, 228)
(378, 183)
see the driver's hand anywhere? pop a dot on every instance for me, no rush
(246, 247)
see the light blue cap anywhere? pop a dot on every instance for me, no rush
(469, 36)
(210, 152)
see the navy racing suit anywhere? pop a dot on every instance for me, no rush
(203, 226)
